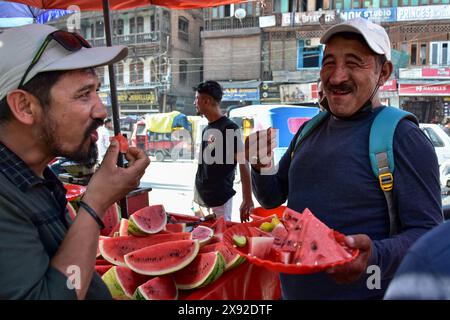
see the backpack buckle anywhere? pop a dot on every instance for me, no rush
(386, 181)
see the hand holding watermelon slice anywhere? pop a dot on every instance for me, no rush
(123, 142)
(353, 270)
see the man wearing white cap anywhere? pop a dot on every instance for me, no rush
(49, 107)
(330, 173)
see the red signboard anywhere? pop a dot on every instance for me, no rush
(390, 86)
(436, 72)
(424, 89)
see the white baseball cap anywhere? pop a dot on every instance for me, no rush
(18, 47)
(375, 35)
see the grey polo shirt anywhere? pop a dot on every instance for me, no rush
(33, 223)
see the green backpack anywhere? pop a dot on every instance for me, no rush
(381, 151)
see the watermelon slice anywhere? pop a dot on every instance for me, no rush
(205, 269)
(163, 258)
(111, 220)
(158, 288)
(114, 249)
(148, 220)
(122, 282)
(123, 228)
(231, 258)
(260, 246)
(319, 246)
(101, 269)
(202, 234)
(176, 227)
(123, 142)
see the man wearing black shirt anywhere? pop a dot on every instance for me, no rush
(219, 154)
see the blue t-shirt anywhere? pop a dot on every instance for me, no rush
(330, 173)
(425, 271)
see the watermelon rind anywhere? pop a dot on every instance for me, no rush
(113, 284)
(219, 270)
(133, 228)
(215, 271)
(162, 249)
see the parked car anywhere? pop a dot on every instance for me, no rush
(441, 143)
(440, 140)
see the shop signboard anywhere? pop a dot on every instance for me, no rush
(135, 97)
(372, 14)
(441, 73)
(240, 94)
(424, 89)
(297, 93)
(421, 13)
(309, 18)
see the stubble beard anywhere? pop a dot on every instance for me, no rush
(48, 134)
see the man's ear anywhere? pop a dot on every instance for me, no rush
(386, 71)
(23, 106)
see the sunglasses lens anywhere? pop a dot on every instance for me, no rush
(70, 41)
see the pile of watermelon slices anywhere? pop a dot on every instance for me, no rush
(296, 243)
(150, 258)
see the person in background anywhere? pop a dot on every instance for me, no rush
(219, 154)
(330, 172)
(49, 107)
(446, 127)
(104, 133)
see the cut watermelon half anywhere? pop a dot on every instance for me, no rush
(148, 220)
(114, 249)
(313, 247)
(163, 258)
(158, 288)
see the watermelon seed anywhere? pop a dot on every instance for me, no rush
(313, 246)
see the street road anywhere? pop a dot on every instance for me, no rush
(173, 183)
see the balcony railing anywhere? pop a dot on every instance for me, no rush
(128, 39)
(231, 23)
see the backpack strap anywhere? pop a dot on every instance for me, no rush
(308, 128)
(381, 153)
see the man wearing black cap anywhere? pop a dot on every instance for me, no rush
(330, 172)
(49, 107)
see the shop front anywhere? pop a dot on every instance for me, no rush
(428, 100)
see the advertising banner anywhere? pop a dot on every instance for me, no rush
(424, 89)
(375, 14)
(437, 12)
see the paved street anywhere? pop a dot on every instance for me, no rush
(172, 184)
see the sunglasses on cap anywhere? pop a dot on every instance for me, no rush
(70, 41)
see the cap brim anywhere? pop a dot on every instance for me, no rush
(88, 58)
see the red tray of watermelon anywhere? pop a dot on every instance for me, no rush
(324, 238)
(74, 191)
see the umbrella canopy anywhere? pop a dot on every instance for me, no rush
(88, 5)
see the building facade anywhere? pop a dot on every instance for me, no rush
(286, 67)
(164, 59)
